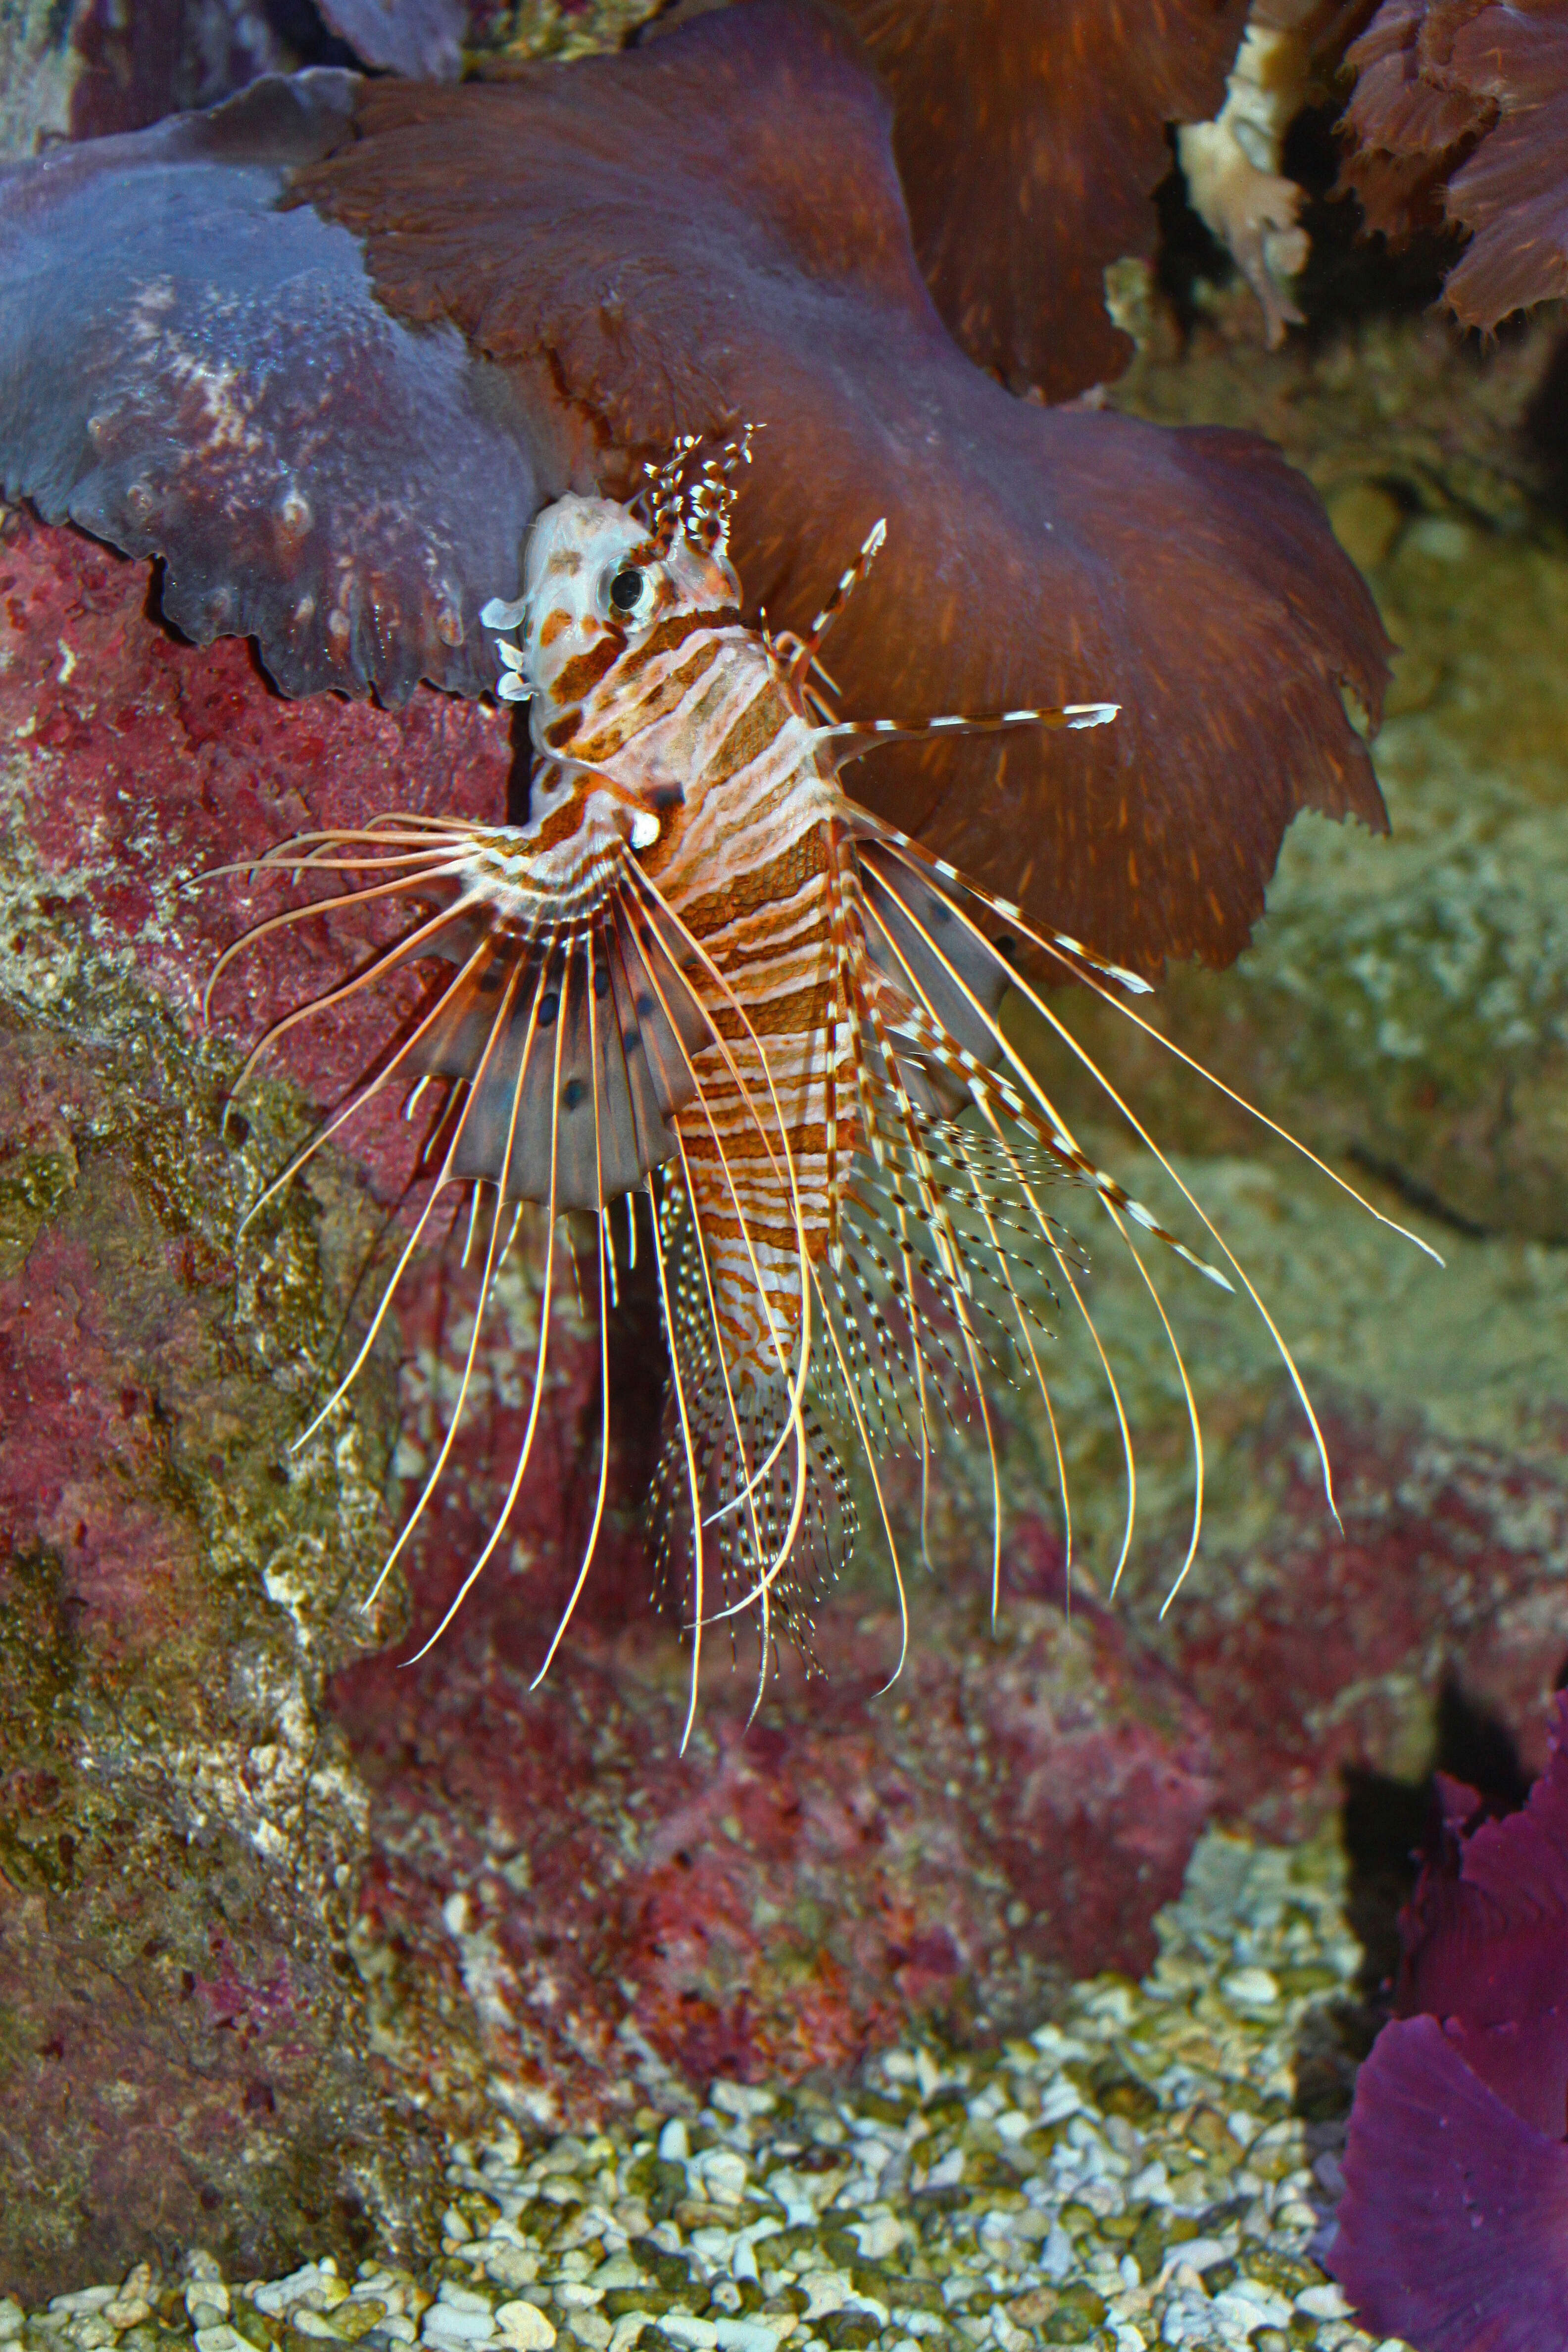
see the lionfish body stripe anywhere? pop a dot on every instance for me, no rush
(700, 970)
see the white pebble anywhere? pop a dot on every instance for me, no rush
(741, 2099)
(880, 2237)
(825, 2291)
(524, 2327)
(1063, 2099)
(1323, 2303)
(1250, 1988)
(450, 2330)
(681, 2328)
(311, 2279)
(1056, 2254)
(674, 2143)
(722, 2174)
(510, 2265)
(463, 2298)
(1249, 2304)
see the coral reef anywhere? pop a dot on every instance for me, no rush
(180, 1584)
(785, 1892)
(278, 1916)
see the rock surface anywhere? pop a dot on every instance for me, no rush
(782, 1895)
(185, 2054)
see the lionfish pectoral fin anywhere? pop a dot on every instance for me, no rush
(622, 1069)
(661, 1022)
(919, 942)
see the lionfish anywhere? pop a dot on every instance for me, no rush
(700, 978)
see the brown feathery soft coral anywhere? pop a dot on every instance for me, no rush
(1460, 116)
(335, 422)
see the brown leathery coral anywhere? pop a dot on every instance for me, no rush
(1030, 137)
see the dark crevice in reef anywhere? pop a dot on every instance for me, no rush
(1389, 1826)
(1348, 276)
(1545, 433)
(1387, 1822)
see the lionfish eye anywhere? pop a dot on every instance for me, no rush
(626, 590)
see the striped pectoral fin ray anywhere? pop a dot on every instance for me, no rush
(915, 938)
(864, 732)
(623, 1069)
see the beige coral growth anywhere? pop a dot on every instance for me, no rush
(1231, 164)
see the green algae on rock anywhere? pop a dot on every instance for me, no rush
(182, 2054)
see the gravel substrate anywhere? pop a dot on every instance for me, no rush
(1133, 2174)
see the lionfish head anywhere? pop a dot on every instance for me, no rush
(597, 576)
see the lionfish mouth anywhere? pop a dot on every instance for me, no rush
(844, 1158)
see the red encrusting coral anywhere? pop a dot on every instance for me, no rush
(185, 2057)
(1453, 2232)
(779, 1897)
(1459, 116)
(149, 767)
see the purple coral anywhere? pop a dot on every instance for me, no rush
(1454, 2228)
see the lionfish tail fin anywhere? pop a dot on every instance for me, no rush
(778, 1520)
